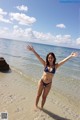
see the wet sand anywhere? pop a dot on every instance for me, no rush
(17, 97)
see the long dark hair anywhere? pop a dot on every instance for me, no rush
(47, 62)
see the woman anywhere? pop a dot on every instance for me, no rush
(50, 67)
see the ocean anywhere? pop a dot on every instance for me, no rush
(67, 77)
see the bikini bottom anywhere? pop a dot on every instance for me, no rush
(45, 84)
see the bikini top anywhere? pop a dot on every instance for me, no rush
(47, 70)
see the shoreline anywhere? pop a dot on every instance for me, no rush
(17, 96)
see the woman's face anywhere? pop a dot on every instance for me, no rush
(50, 59)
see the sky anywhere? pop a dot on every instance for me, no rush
(55, 22)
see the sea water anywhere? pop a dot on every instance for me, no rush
(67, 77)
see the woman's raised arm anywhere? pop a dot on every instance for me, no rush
(73, 54)
(30, 48)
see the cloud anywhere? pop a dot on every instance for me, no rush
(15, 27)
(4, 31)
(2, 19)
(34, 36)
(22, 18)
(40, 36)
(51, 39)
(22, 8)
(78, 41)
(29, 33)
(43, 36)
(60, 26)
(65, 39)
(21, 34)
(2, 12)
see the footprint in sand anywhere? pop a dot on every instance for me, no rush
(40, 115)
(19, 110)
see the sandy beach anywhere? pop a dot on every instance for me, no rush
(17, 97)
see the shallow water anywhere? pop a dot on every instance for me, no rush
(66, 79)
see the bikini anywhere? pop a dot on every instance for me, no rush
(47, 70)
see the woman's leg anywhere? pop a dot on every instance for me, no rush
(45, 93)
(39, 92)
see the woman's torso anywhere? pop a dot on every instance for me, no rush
(48, 74)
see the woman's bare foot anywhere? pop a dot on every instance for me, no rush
(36, 108)
(41, 108)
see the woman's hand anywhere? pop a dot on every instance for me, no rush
(74, 54)
(30, 48)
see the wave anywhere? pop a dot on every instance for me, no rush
(10, 55)
(29, 78)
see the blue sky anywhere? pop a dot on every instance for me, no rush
(43, 21)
